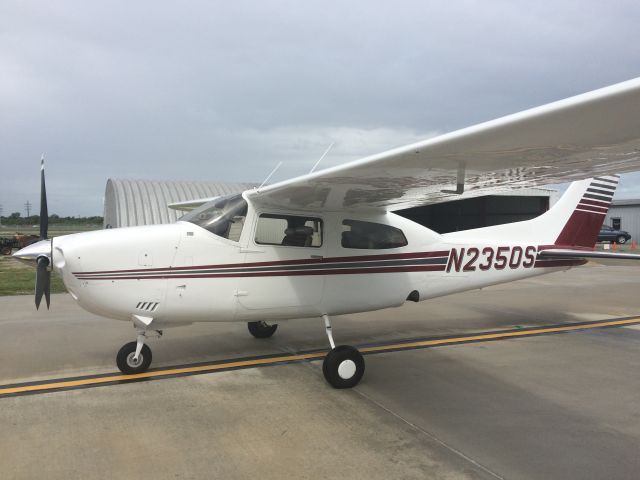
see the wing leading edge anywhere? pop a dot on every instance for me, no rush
(596, 133)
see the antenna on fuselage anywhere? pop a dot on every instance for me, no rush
(269, 176)
(320, 159)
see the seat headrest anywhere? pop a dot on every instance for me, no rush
(299, 231)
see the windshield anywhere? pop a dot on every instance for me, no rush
(223, 216)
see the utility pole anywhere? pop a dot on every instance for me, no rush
(1, 210)
(27, 207)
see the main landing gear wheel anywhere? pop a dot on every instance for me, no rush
(343, 367)
(262, 329)
(128, 364)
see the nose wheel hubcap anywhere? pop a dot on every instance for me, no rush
(133, 362)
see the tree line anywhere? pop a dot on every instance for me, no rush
(17, 219)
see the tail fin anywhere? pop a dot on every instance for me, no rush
(587, 203)
(574, 221)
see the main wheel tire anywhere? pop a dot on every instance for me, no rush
(621, 240)
(343, 367)
(262, 329)
(127, 364)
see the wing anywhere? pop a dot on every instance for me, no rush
(596, 133)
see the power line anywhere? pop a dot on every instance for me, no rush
(27, 207)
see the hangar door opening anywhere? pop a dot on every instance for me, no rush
(477, 212)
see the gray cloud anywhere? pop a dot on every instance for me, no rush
(223, 91)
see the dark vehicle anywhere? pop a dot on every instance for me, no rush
(17, 241)
(609, 234)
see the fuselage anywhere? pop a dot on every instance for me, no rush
(182, 273)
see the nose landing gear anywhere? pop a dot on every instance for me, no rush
(135, 357)
(343, 367)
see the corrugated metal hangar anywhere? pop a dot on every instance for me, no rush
(145, 202)
(128, 203)
(625, 215)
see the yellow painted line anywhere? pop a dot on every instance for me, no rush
(160, 373)
(83, 382)
(499, 335)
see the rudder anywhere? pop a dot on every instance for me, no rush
(584, 223)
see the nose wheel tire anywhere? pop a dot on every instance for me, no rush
(343, 367)
(262, 329)
(128, 364)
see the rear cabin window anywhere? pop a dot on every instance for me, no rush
(371, 236)
(289, 230)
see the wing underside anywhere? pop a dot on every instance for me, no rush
(597, 133)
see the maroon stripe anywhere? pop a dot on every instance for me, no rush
(568, 247)
(440, 253)
(339, 271)
(592, 209)
(596, 203)
(581, 229)
(302, 261)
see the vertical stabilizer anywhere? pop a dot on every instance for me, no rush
(586, 219)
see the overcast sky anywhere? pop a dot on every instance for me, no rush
(222, 91)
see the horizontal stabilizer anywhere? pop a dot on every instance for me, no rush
(190, 204)
(565, 253)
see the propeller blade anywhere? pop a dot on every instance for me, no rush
(44, 212)
(43, 282)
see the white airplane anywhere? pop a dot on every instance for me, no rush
(327, 243)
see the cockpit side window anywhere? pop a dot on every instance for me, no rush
(223, 216)
(289, 230)
(371, 236)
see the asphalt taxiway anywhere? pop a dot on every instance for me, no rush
(534, 379)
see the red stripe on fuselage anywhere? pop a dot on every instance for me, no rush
(561, 246)
(339, 271)
(302, 261)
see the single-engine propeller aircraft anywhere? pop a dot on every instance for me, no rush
(327, 243)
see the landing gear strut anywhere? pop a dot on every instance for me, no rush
(262, 329)
(343, 367)
(135, 357)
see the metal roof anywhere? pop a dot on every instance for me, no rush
(144, 202)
